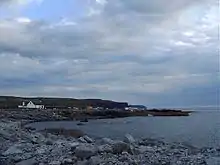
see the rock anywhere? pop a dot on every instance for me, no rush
(129, 139)
(55, 163)
(84, 162)
(143, 149)
(28, 162)
(119, 147)
(12, 150)
(37, 138)
(20, 157)
(43, 149)
(82, 140)
(74, 145)
(85, 151)
(67, 162)
(94, 160)
(213, 161)
(88, 139)
(80, 124)
(107, 141)
(105, 148)
(49, 142)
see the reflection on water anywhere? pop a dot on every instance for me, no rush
(201, 129)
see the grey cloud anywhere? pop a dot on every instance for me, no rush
(131, 51)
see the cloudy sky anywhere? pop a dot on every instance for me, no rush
(157, 53)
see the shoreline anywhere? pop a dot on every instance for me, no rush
(20, 146)
(69, 114)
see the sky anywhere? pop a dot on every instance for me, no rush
(159, 53)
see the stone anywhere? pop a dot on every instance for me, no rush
(107, 141)
(82, 140)
(23, 156)
(67, 161)
(119, 147)
(49, 142)
(85, 151)
(74, 145)
(105, 148)
(55, 163)
(213, 161)
(129, 139)
(31, 161)
(88, 139)
(84, 162)
(12, 150)
(94, 160)
(37, 138)
(43, 149)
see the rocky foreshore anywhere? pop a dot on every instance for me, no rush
(19, 146)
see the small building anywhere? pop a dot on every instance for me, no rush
(30, 105)
(135, 108)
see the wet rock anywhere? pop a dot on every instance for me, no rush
(129, 139)
(80, 124)
(85, 151)
(28, 162)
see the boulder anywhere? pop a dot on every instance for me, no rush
(105, 148)
(129, 139)
(67, 162)
(88, 139)
(85, 151)
(12, 150)
(213, 161)
(94, 160)
(74, 145)
(55, 163)
(31, 161)
(43, 149)
(37, 138)
(82, 140)
(107, 141)
(119, 147)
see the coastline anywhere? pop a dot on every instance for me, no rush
(20, 146)
(69, 114)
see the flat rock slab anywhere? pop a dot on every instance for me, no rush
(27, 162)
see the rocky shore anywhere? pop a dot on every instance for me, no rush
(19, 146)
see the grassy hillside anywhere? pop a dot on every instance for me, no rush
(8, 102)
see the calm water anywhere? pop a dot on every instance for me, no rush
(200, 129)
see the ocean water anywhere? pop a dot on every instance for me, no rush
(201, 129)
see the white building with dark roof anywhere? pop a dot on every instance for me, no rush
(30, 105)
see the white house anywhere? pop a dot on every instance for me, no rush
(135, 107)
(30, 105)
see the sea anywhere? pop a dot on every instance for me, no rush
(200, 129)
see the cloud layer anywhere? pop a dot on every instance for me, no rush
(149, 52)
